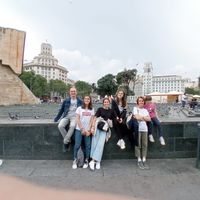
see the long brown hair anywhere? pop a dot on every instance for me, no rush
(89, 105)
(124, 103)
(140, 98)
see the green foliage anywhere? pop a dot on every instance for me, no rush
(107, 85)
(83, 88)
(192, 91)
(58, 88)
(28, 78)
(124, 78)
(39, 86)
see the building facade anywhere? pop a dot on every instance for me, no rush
(46, 65)
(163, 84)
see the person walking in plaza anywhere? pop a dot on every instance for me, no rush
(183, 100)
(101, 132)
(142, 116)
(67, 113)
(151, 107)
(119, 105)
(84, 118)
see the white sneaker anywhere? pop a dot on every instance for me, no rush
(151, 139)
(162, 141)
(122, 146)
(1, 162)
(92, 164)
(74, 165)
(119, 143)
(98, 165)
(85, 164)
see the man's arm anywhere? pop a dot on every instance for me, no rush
(60, 112)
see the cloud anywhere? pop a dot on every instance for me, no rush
(87, 68)
(184, 71)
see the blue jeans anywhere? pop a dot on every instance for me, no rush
(78, 140)
(154, 121)
(183, 103)
(98, 141)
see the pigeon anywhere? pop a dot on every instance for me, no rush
(36, 117)
(13, 116)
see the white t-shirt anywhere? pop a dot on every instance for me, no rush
(143, 112)
(85, 116)
(183, 98)
(72, 108)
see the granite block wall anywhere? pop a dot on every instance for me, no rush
(43, 141)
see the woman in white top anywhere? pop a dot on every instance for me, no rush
(84, 118)
(142, 116)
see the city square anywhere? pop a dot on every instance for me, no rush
(67, 67)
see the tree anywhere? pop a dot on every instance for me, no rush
(107, 85)
(125, 77)
(192, 91)
(83, 88)
(58, 88)
(39, 86)
(28, 78)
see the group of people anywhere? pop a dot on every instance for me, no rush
(93, 129)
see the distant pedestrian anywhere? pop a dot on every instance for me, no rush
(176, 99)
(142, 116)
(151, 107)
(183, 100)
(67, 113)
(84, 118)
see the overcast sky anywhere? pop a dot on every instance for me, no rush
(92, 38)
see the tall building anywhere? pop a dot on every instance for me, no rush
(162, 84)
(147, 78)
(46, 65)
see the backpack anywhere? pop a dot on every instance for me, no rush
(80, 158)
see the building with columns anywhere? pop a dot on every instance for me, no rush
(163, 84)
(148, 83)
(46, 65)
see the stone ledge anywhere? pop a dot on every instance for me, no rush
(40, 139)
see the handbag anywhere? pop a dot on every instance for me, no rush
(133, 125)
(128, 120)
(102, 126)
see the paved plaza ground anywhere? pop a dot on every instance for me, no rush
(168, 179)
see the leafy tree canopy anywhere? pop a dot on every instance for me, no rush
(83, 88)
(107, 85)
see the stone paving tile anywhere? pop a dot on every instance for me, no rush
(168, 179)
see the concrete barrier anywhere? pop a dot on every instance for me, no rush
(40, 139)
